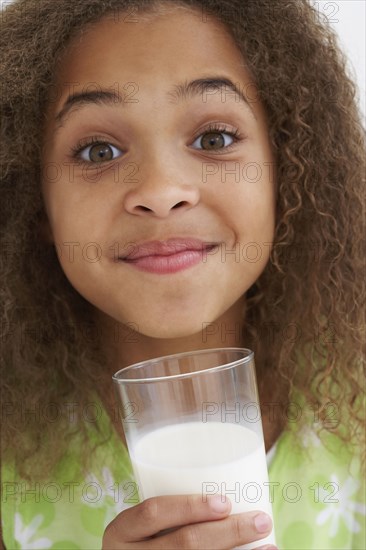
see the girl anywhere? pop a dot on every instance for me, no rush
(178, 175)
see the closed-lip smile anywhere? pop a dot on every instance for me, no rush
(168, 256)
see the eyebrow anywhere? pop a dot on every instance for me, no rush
(79, 99)
(180, 92)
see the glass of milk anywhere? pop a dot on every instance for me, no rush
(193, 426)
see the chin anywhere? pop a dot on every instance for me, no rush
(165, 326)
(170, 330)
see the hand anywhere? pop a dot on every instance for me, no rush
(193, 524)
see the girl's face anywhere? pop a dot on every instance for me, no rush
(180, 158)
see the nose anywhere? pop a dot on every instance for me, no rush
(157, 194)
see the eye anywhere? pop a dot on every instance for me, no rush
(95, 151)
(99, 152)
(215, 138)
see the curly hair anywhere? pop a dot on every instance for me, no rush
(304, 315)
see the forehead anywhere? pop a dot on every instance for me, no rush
(166, 44)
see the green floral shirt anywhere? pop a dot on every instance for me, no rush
(317, 492)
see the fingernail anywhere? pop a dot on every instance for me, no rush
(268, 547)
(218, 503)
(262, 523)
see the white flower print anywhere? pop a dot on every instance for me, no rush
(345, 509)
(309, 437)
(109, 493)
(23, 533)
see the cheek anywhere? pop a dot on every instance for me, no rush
(244, 187)
(248, 208)
(73, 219)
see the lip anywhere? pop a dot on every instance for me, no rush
(169, 256)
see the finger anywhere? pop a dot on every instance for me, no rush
(165, 512)
(225, 534)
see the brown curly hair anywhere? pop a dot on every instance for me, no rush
(304, 315)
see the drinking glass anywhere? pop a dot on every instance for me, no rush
(193, 425)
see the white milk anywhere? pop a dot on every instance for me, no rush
(205, 458)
